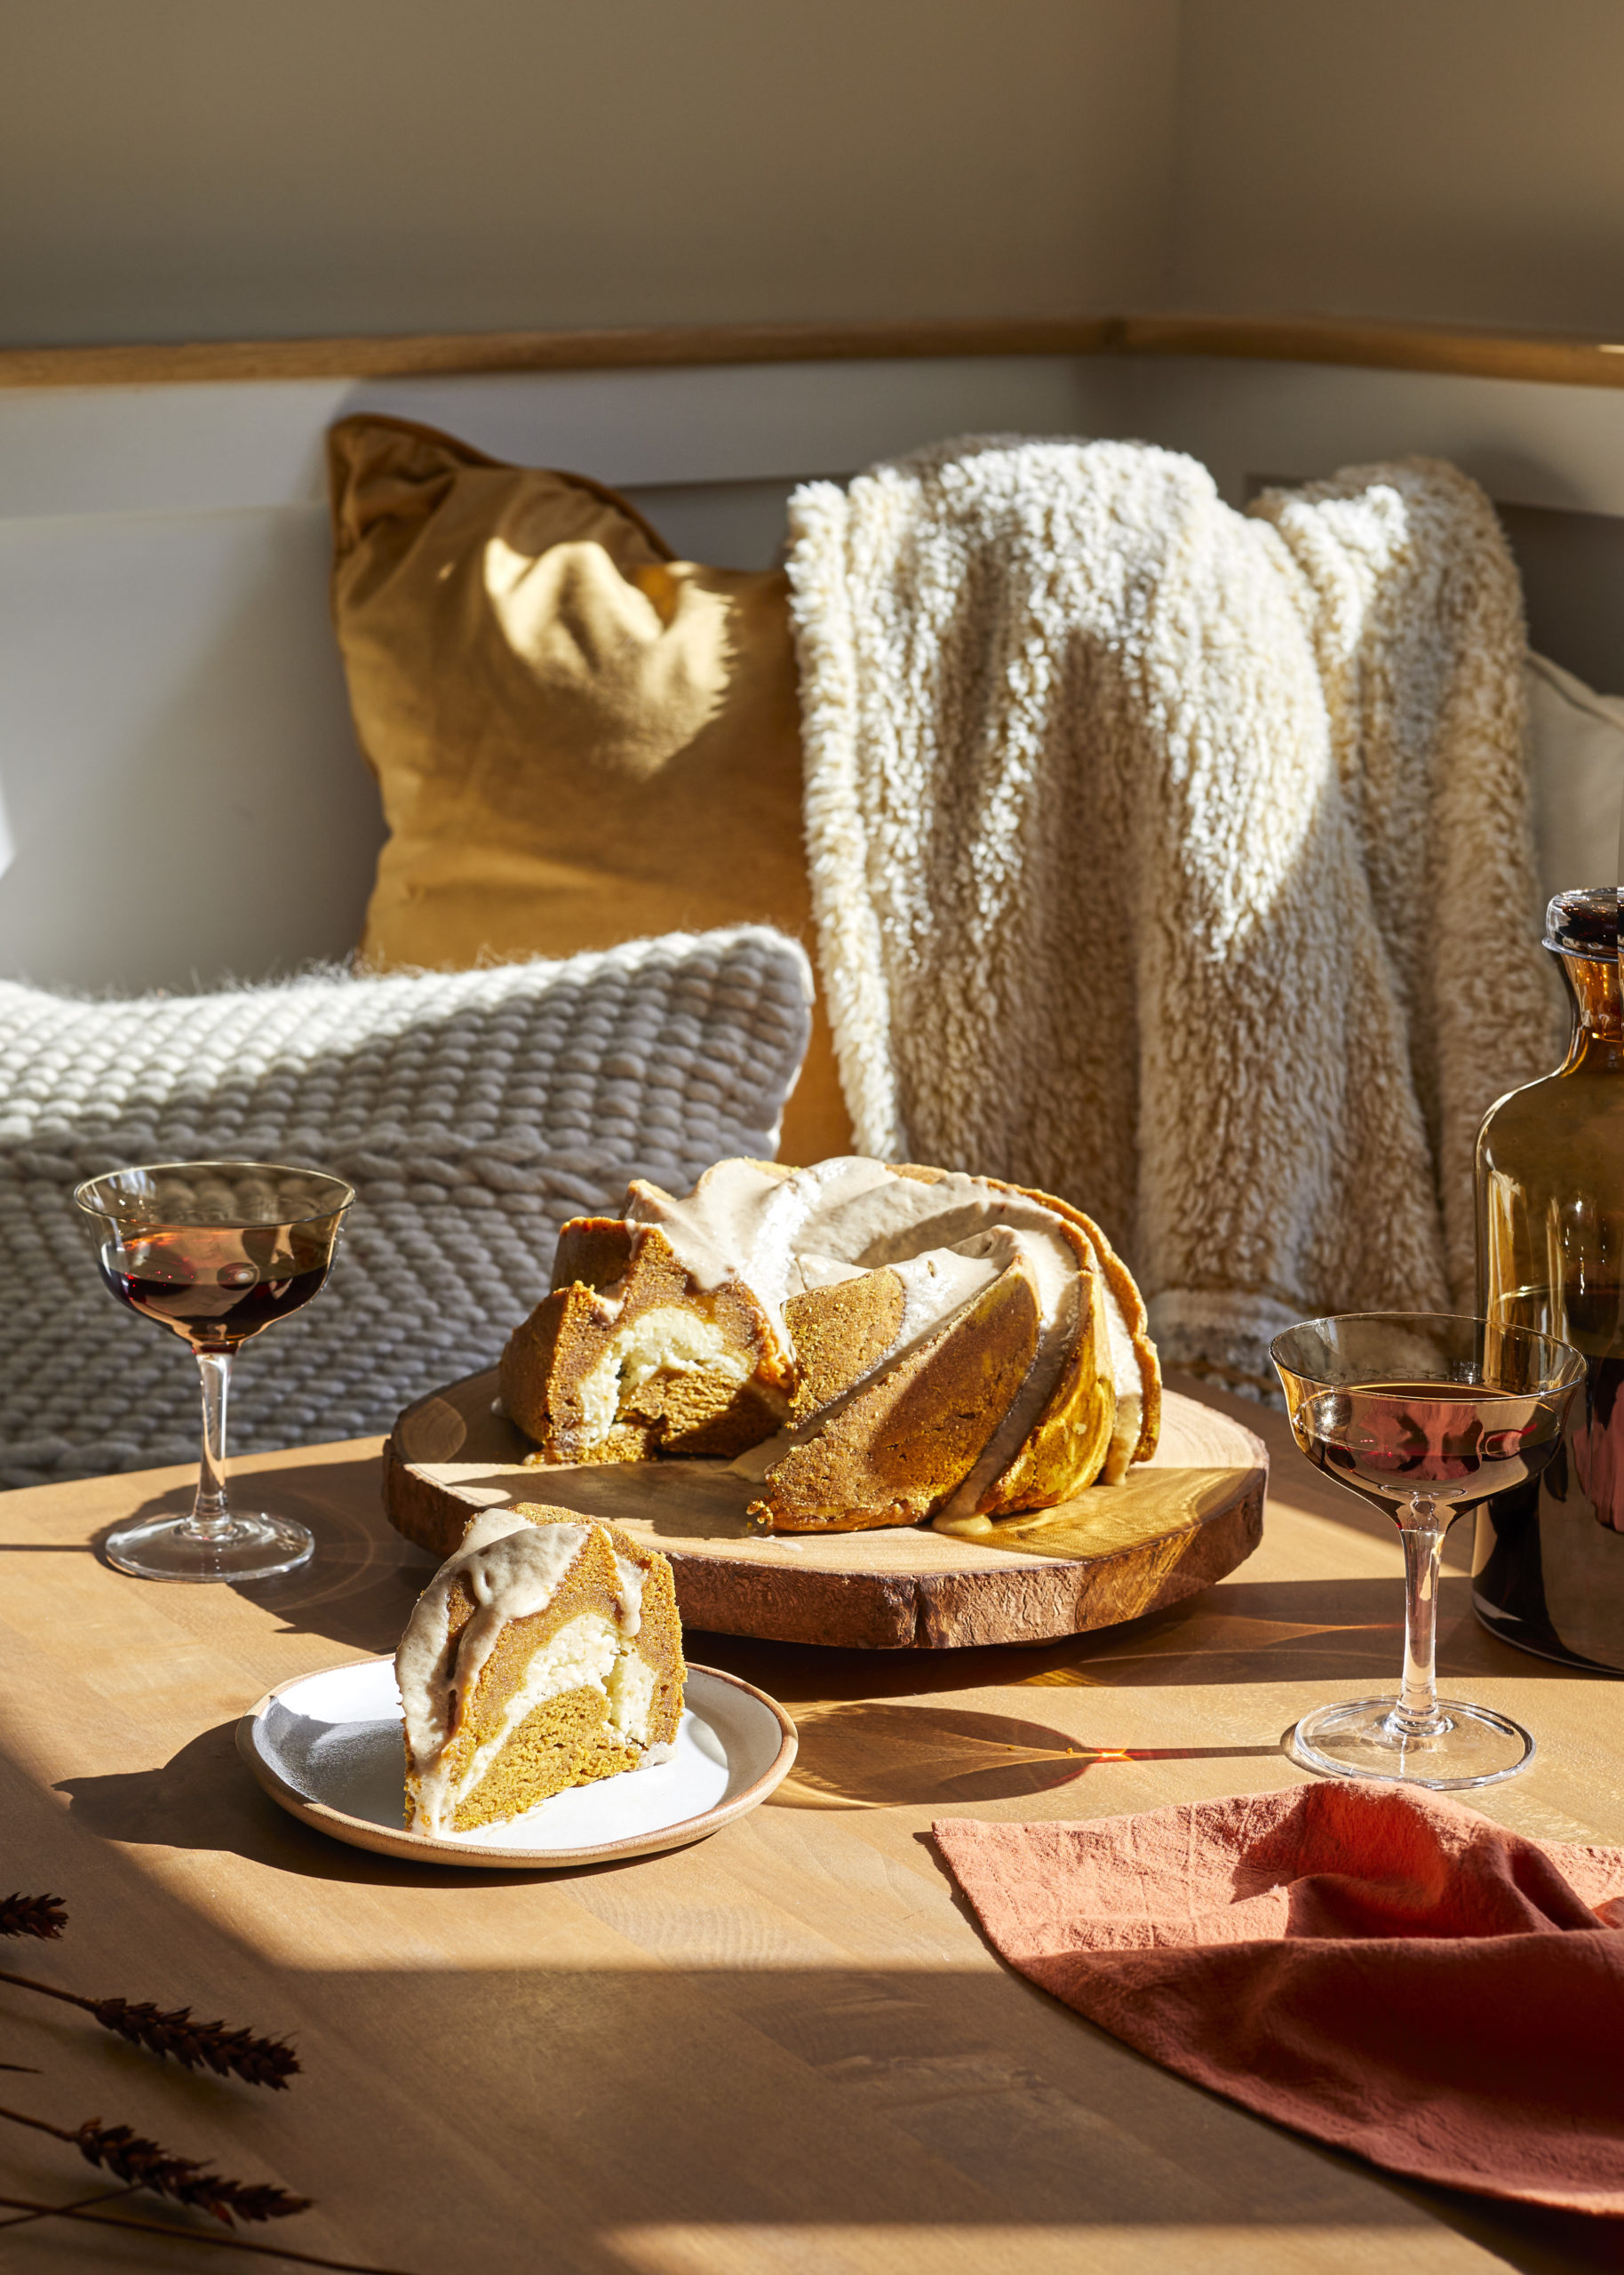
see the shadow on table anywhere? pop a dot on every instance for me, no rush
(879, 1755)
(360, 1583)
(1043, 2140)
(867, 1755)
(204, 1798)
(360, 1587)
(1242, 1632)
(1536, 2238)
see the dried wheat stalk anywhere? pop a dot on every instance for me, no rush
(189, 2235)
(195, 2044)
(132, 2157)
(44, 1916)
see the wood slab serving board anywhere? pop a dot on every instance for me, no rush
(1174, 1525)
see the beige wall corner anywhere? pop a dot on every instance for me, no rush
(1448, 161)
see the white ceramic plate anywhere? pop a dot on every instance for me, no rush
(328, 1747)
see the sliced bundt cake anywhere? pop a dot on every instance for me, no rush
(875, 1345)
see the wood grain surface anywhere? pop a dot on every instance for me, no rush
(1357, 341)
(787, 2051)
(1174, 1525)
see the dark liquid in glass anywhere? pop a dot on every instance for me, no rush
(178, 1279)
(1454, 1442)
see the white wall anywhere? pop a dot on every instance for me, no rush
(203, 168)
(211, 169)
(1441, 160)
(176, 771)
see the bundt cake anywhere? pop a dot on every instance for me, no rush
(873, 1345)
(548, 1652)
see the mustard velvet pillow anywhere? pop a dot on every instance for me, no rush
(579, 739)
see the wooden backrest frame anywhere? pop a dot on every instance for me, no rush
(1358, 342)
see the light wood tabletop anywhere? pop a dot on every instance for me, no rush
(785, 2051)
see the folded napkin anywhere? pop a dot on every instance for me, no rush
(1371, 1964)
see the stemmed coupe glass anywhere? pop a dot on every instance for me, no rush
(217, 1252)
(1424, 1415)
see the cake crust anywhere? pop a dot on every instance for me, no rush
(1141, 1445)
(1069, 1443)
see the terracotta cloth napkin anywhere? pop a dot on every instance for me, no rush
(1373, 1965)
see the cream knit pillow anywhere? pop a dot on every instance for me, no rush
(473, 1111)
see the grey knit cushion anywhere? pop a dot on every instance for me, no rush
(473, 1112)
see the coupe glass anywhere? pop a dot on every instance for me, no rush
(1424, 1415)
(216, 1251)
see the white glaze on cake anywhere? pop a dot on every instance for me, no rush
(946, 1239)
(787, 1233)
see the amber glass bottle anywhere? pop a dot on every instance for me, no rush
(1549, 1562)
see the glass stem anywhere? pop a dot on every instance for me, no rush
(1422, 1525)
(210, 1517)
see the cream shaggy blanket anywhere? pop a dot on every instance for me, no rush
(1178, 860)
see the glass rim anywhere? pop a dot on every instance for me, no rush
(1526, 1336)
(91, 1208)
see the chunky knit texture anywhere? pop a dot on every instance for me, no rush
(473, 1112)
(1177, 860)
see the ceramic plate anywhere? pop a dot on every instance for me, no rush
(328, 1747)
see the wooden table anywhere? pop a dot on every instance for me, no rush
(787, 2051)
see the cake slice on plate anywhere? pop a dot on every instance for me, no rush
(546, 1653)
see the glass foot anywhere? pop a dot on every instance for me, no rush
(242, 1548)
(1357, 1739)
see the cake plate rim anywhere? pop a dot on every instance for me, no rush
(430, 1848)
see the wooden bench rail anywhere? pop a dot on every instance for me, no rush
(1298, 340)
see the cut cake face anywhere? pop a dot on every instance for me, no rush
(641, 1357)
(872, 1345)
(546, 1653)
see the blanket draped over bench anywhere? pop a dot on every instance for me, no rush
(1178, 860)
